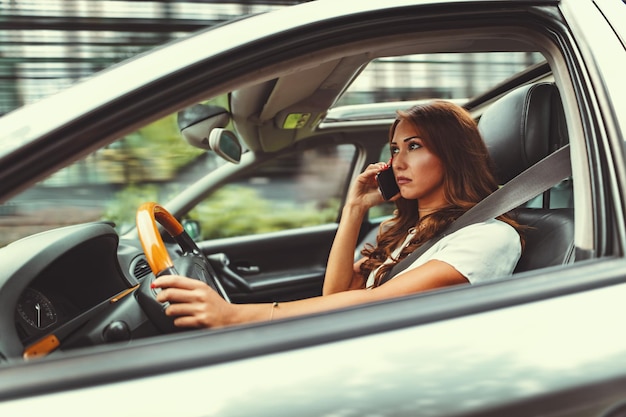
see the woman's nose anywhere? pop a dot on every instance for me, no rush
(398, 161)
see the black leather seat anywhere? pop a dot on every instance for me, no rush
(549, 238)
(520, 129)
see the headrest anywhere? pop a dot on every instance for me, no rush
(523, 127)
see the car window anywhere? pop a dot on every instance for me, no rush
(292, 191)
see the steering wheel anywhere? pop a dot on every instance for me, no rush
(192, 262)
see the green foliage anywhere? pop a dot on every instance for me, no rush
(148, 144)
(158, 150)
(238, 211)
(382, 210)
(122, 209)
(231, 211)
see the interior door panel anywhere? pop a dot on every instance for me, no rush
(280, 266)
(277, 266)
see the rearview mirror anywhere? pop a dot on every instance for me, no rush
(226, 144)
(196, 122)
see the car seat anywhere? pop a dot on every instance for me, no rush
(519, 129)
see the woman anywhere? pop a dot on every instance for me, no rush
(442, 168)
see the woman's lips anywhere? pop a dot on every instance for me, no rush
(403, 180)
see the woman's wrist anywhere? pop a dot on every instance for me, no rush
(354, 209)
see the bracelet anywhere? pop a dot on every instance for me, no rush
(274, 307)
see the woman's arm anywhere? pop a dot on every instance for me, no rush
(341, 272)
(195, 304)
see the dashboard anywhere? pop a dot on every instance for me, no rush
(56, 276)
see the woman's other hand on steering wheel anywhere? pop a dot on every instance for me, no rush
(193, 303)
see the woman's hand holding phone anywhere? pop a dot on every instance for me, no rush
(387, 183)
(365, 190)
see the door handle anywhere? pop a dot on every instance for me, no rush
(221, 262)
(248, 269)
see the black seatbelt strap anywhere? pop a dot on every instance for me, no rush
(533, 181)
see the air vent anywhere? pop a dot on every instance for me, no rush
(141, 268)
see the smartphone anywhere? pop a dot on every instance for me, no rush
(387, 183)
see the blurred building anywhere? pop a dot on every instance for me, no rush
(47, 45)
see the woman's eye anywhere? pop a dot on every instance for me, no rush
(394, 151)
(414, 145)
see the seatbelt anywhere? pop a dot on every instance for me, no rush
(533, 181)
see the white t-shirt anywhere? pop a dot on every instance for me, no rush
(480, 251)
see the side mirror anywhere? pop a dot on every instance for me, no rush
(226, 144)
(192, 227)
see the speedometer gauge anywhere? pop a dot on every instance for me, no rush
(36, 309)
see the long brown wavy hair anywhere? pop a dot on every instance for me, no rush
(450, 133)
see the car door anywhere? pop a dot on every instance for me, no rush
(544, 343)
